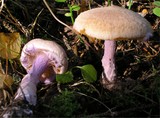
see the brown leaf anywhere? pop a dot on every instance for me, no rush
(5, 80)
(10, 45)
(1, 69)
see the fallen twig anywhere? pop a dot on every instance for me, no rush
(2, 4)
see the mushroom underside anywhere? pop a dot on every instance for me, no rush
(28, 85)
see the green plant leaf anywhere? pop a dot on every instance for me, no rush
(156, 11)
(89, 73)
(60, 0)
(157, 3)
(64, 78)
(68, 14)
(75, 8)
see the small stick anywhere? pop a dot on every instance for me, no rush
(56, 17)
(2, 4)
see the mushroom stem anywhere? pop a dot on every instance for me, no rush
(27, 90)
(108, 61)
(39, 66)
(28, 86)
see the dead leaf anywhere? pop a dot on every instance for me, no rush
(5, 80)
(10, 45)
(1, 69)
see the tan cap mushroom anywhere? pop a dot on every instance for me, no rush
(110, 24)
(113, 22)
(58, 62)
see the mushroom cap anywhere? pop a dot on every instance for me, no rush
(58, 62)
(113, 23)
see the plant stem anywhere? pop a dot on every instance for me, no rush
(71, 12)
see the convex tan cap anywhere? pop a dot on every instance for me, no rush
(55, 53)
(114, 23)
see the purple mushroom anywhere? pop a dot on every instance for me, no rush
(42, 60)
(57, 58)
(110, 24)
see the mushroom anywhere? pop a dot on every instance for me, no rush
(42, 59)
(57, 58)
(110, 24)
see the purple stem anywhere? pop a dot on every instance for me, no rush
(39, 66)
(108, 61)
(28, 86)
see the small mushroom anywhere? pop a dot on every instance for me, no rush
(57, 58)
(42, 59)
(110, 24)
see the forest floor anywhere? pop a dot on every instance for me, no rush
(138, 63)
